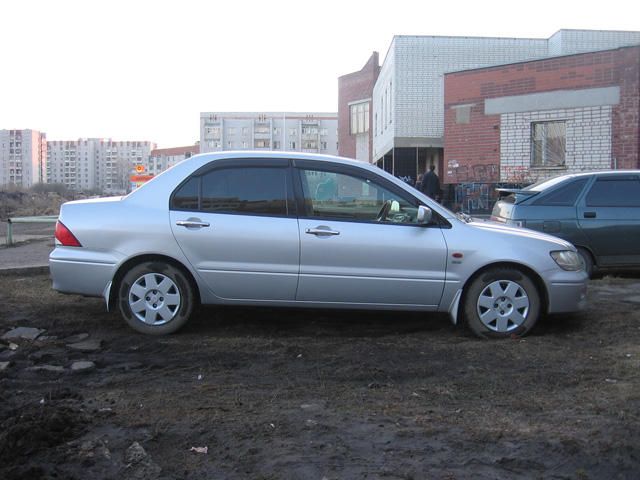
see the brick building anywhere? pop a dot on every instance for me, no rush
(355, 111)
(532, 120)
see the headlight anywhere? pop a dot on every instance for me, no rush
(567, 260)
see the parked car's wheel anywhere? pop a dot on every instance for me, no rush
(155, 298)
(501, 302)
(587, 260)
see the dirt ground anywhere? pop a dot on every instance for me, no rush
(294, 394)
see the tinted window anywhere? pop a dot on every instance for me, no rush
(245, 190)
(341, 196)
(614, 193)
(186, 197)
(565, 195)
(248, 190)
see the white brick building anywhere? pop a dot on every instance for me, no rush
(298, 132)
(23, 158)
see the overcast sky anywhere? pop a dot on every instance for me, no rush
(143, 70)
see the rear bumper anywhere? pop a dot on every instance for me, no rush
(77, 271)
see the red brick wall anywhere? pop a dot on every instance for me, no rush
(351, 87)
(476, 145)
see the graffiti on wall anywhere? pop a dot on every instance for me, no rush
(473, 197)
(472, 173)
(476, 197)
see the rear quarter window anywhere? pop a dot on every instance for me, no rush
(564, 195)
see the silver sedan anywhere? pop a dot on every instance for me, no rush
(301, 230)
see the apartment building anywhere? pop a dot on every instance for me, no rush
(23, 157)
(161, 159)
(280, 131)
(95, 163)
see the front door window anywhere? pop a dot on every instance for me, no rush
(332, 195)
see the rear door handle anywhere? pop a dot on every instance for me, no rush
(192, 223)
(321, 231)
(589, 214)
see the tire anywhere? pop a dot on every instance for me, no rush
(587, 260)
(155, 298)
(501, 302)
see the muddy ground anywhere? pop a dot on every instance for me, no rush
(292, 394)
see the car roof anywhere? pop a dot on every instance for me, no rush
(261, 154)
(561, 179)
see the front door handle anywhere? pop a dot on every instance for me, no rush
(321, 231)
(192, 223)
(589, 214)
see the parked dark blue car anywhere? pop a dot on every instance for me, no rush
(599, 212)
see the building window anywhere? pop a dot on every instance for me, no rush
(276, 145)
(213, 132)
(293, 131)
(548, 142)
(262, 143)
(292, 145)
(359, 118)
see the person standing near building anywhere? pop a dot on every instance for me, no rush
(431, 184)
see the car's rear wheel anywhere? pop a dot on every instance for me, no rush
(587, 260)
(155, 298)
(501, 302)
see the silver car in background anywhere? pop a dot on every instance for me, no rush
(302, 230)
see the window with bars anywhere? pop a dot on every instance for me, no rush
(548, 144)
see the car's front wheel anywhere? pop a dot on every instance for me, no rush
(155, 298)
(501, 302)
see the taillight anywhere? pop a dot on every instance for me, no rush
(65, 237)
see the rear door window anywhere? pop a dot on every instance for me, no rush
(242, 190)
(614, 192)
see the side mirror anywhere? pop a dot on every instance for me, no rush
(424, 214)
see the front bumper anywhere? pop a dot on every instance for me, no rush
(567, 297)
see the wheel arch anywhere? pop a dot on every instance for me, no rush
(133, 261)
(589, 250)
(535, 278)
